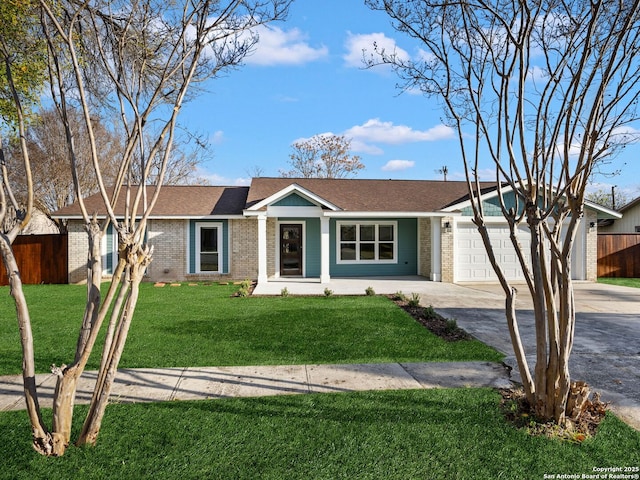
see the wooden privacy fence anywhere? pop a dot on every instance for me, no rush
(41, 259)
(619, 255)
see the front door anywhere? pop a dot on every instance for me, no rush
(290, 249)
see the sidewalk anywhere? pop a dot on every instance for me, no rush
(201, 383)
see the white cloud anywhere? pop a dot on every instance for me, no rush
(537, 74)
(286, 98)
(376, 131)
(284, 47)
(357, 44)
(217, 137)
(397, 165)
(364, 138)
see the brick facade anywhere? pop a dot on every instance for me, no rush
(243, 262)
(424, 246)
(78, 252)
(446, 248)
(169, 240)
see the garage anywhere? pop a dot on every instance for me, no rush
(471, 262)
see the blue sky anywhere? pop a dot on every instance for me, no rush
(306, 78)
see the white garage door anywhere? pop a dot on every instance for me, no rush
(471, 260)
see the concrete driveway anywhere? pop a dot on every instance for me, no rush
(606, 352)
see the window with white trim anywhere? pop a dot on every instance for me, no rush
(208, 248)
(367, 242)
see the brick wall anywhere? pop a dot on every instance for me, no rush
(446, 249)
(271, 246)
(78, 251)
(424, 246)
(169, 240)
(244, 248)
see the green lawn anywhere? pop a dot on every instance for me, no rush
(204, 326)
(419, 434)
(422, 434)
(624, 282)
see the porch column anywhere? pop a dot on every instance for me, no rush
(324, 250)
(262, 248)
(436, 250)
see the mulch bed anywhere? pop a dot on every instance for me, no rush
(521, 414)
(436, 323)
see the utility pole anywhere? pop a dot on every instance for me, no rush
(613, 197)
(444, 170)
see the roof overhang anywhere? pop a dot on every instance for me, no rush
(160, 217)
(349, 214)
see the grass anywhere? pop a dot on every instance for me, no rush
(203, 326)
(421, 434)
(623, 282)
(453, 434)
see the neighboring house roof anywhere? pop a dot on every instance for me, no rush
(632, 204)
(175, 201)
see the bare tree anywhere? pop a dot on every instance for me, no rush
(609, 198)
(140, 59)
(544, 90)
(323, 156)
(51, 170)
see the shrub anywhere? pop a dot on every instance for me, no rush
(328, 292)
(284, 292)
(414, 301)
(399, 296)
(370, 292)
(243, 292)
(451, 325)
(429, 312)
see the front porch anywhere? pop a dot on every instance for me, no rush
(345, 286)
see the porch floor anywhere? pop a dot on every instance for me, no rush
(345, 286)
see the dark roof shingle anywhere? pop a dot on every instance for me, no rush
(182, 200)
(353, 195)
(370, 195)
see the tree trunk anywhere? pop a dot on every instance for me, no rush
(137, 263)
(42, 440)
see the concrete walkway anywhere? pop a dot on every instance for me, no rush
(202, 383)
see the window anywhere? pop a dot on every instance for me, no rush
(366, 242)
(637, 228)
(208, 248)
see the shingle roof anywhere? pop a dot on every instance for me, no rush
(176, 201)
(356, 195)
(370, 195)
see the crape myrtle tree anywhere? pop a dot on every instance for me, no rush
(546, 90)
(137, 59)
(323, 156)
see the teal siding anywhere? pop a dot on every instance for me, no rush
(225, 244)
(492, 206)
(294, 200)
(407, 262)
